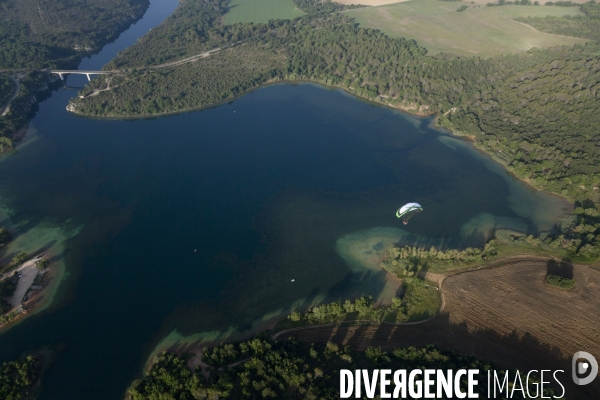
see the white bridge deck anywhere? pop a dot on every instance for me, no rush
(62, 72)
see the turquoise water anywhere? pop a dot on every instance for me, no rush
(198, 222)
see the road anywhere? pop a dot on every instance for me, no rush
(6, 107)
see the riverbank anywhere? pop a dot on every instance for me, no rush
(91, 26)
(478, 318)
(380, 101)
(401, 75)
(419, 112)
(36, 290)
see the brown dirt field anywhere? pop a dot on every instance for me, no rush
(507, 314)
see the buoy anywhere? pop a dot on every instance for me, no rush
(293, 280)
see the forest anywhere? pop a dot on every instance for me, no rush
(287, 369)
(535, 112)
(6, 89)
(17, 378)
(51, 34)
(586, 27)
(23, 107)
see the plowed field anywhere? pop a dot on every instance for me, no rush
(507, 314)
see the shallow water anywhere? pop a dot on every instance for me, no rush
(198, 222)
(191, 227)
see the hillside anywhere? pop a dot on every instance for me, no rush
(36, 34)
(43, 34)
(534, 111)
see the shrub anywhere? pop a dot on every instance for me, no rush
(560, 281)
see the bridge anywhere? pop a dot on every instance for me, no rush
(62, 72)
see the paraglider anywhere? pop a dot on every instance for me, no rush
(407, 211)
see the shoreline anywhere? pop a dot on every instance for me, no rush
(39, 297)
(439, 278)
(410, 111)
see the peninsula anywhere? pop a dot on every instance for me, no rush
(506, 103)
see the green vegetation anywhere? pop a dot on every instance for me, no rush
(535, 112)
(529, 3)
(42, 264)
(419, 301)
(36, 34)
(461, 8)
(192, 29)
(560, 281)
(183, 88)
(4, 236)
(6, 89)
(576, 237)
(23, 107)
(20, 258)
(476, 31)
(258, 11)
(585, 26)
(17, 378)
(7, 288)
(408, 261)
(51, 34)
(287, 369)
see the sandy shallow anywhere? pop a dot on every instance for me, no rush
(28, 274)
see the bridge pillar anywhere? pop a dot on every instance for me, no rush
(62, 78)
(88, 76)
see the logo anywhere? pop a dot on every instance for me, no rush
(588, 367)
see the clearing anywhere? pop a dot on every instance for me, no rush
(259, 11)
(28, 273)
(479, 30)
(507, 314)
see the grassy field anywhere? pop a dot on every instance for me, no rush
(260, 11)
(479, 30)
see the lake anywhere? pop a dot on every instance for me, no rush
(191, 227)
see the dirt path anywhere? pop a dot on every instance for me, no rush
(546, 33)
(506, 313)
(16, 91)
(194, 57)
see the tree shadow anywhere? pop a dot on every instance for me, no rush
(523, 352)
(585, 204)
(564, 268)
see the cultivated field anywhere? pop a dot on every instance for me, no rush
(506, 314)
(479, 30)
(260, 11)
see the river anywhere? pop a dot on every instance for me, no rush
(192, 227)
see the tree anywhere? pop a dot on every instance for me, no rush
(4, 236)
(20, 258)
(42, 264)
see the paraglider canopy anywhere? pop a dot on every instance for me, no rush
(407, 211)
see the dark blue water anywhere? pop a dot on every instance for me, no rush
(198, 222)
